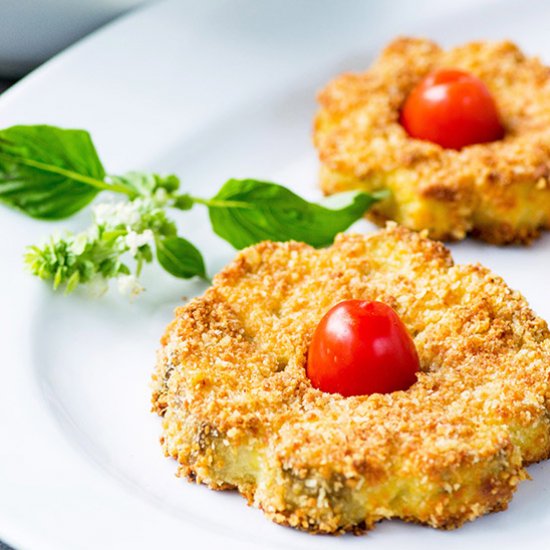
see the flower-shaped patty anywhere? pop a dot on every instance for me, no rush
(239, 410)
(499, 191)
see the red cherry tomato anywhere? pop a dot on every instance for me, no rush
(453, 109)
(360, 348)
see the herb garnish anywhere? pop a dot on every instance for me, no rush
(52, 173)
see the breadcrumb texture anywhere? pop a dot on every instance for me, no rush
(497, 191)
(239, 411)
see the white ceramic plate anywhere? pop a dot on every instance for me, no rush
(210, 90)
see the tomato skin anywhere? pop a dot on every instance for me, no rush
(453, 109)
(360, 348)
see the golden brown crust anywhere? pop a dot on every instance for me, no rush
(499, 191)
(240, 412)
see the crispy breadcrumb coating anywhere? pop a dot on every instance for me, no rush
(239, 411)
(497, 191)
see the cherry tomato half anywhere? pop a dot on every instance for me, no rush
(453, 109)
(360, 348)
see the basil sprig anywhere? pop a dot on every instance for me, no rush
(52, 173)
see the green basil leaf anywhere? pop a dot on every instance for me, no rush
(245, 212)
(180, 258)
(49, 172)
